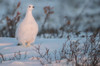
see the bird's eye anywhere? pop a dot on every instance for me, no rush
(29, 6)
(33, 6)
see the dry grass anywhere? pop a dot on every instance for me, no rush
(9, 29)
(86, 54)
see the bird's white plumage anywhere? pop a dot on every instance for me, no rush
(27, 30)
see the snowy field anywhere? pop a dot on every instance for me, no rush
(8, 47)
(49, 52)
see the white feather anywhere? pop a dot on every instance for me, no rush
(27, 30)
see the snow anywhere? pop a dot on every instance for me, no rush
(8, 46)
(15, 55)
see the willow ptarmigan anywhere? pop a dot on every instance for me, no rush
(27, 30)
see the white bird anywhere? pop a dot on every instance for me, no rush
(27, 30)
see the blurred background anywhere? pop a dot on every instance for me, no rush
(56, 18)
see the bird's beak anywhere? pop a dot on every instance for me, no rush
(33, 7)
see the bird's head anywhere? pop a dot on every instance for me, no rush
(30, 7)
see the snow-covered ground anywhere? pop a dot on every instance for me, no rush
(44, 51)
(8, 47)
